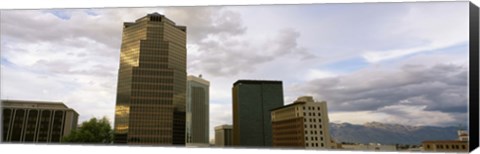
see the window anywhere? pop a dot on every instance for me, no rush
(306, 132)
(318, 108)
(306, 138)
(306, 144)
(463, 147)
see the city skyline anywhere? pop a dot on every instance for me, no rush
(423, 66)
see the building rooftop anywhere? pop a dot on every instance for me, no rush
(444, 141)
(34, 104)
(198, 79)
(256, 82)
(223, 126)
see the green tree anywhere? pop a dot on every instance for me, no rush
(91, 131)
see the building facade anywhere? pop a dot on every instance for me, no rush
(197, 110)
(252, 102)
(223, 135)
(302, 124)
(151, 89)
(460, 145)
(369, 147)
(36, 122)
(445, 146)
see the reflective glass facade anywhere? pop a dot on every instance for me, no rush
(151, 89)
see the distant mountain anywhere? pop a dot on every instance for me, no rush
(375, 132)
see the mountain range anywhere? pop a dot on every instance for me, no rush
(376, 132)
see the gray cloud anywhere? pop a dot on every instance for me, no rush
(442, 88)
(231, 56)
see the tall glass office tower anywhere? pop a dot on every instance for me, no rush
(150, 103)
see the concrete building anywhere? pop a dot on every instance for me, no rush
(252, 102)
(460, 145)
(35, 121)
(151, 89)
(223, 135)
(369, 147)
(302, 124)
(197, 110)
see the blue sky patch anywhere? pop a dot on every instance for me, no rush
(64, 15)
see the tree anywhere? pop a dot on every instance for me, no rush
(91, 131)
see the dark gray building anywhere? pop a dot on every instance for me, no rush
(252, 102)
(35, 121)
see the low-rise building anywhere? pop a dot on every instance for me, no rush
(35, 121)
(460, 145)
(369, 147)
(223, 135)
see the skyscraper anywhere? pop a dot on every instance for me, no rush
(151, 89)
(197, 110)
(252, 102)
(35, 121)
(303, 123)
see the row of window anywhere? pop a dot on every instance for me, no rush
(314, 138)
(314, 144)
(313, 126)
(312, 120)
(446, 146)
(313, 132)
(311, 114)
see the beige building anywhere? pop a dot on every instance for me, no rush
(197, 121)
(369, 147)
(35, 121)
(223, 135)
(460, 145)
(303, 124)
(152, 78)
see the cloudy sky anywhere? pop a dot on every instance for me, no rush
(403, 63)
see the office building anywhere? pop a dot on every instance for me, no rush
(223, 135)
(197, 110)
(36, 122)
(252, 102)
(302, 124)
(151, 89)
(460, 145)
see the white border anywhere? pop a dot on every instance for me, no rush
(33, 4)
(88, 149)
